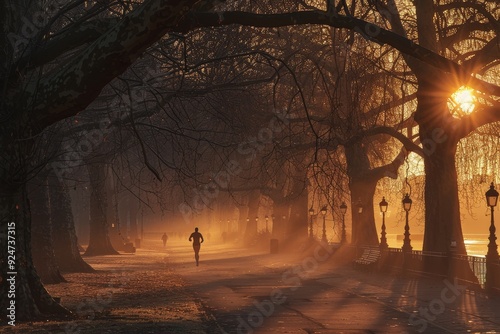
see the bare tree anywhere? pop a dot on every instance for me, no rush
(59, 73)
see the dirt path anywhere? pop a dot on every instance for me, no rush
(129, 293)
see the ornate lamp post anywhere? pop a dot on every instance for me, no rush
(383, 208)
(407, 206)
(343, 210)
(267, 224)
(491, 200)
(323, 212)
(256, 223)
(311, 214)
(492, 255)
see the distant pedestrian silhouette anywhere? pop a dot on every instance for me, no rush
(197, 241)
(164, 238)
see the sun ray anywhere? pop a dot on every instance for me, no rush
(462, 102)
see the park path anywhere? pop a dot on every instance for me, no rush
(314, 292)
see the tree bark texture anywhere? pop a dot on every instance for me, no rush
(99, 243)
(44, 258)
(31, 299)
(297, 229)
(63, 229)
(439, 140)
(133, 210)
(362, 185)
(253, 212)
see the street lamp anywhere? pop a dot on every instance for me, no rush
(323, 212)
(491, 200)
(492, 255)
(407, 206)
(256, 223)
(383, 208)
(311, 214)
(267, 225)
(343, 210)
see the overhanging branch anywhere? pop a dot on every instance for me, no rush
(367, 29)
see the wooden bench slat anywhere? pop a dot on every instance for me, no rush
(369, 257)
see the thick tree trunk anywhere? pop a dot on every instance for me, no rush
(297, 228)
(117, 240)
(65, 244)
(437, 130)
(44, 258)
(133, 207)
(281, 213)
(31, 298)
(122, 202)
(242, 220)
(362, 185)
(253, 212)
(99, 243)
(442, 209)
(364, 230)
(438, 134)
(80, 203)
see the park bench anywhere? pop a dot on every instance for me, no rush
(368, 259)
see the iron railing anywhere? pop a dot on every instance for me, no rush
(434, 263)
(478, 266)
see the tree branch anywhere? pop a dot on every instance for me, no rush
(482, 116)
(407, 143)
(489, 53)
(368, 30)
(67, 90)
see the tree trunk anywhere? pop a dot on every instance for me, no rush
(44, 258)
(66, 244)
(362, 185)
(31, 298)
(253, 212)
(364, 230)
(442, 209)
(439, 140)
(99, 243)
(115, 236)
(297, 228)
(122, 202)
(281, 213)
(133, 207)
(242, 205)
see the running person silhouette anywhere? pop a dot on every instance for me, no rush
(196, 236)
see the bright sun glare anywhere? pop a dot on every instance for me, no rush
(463, 100)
